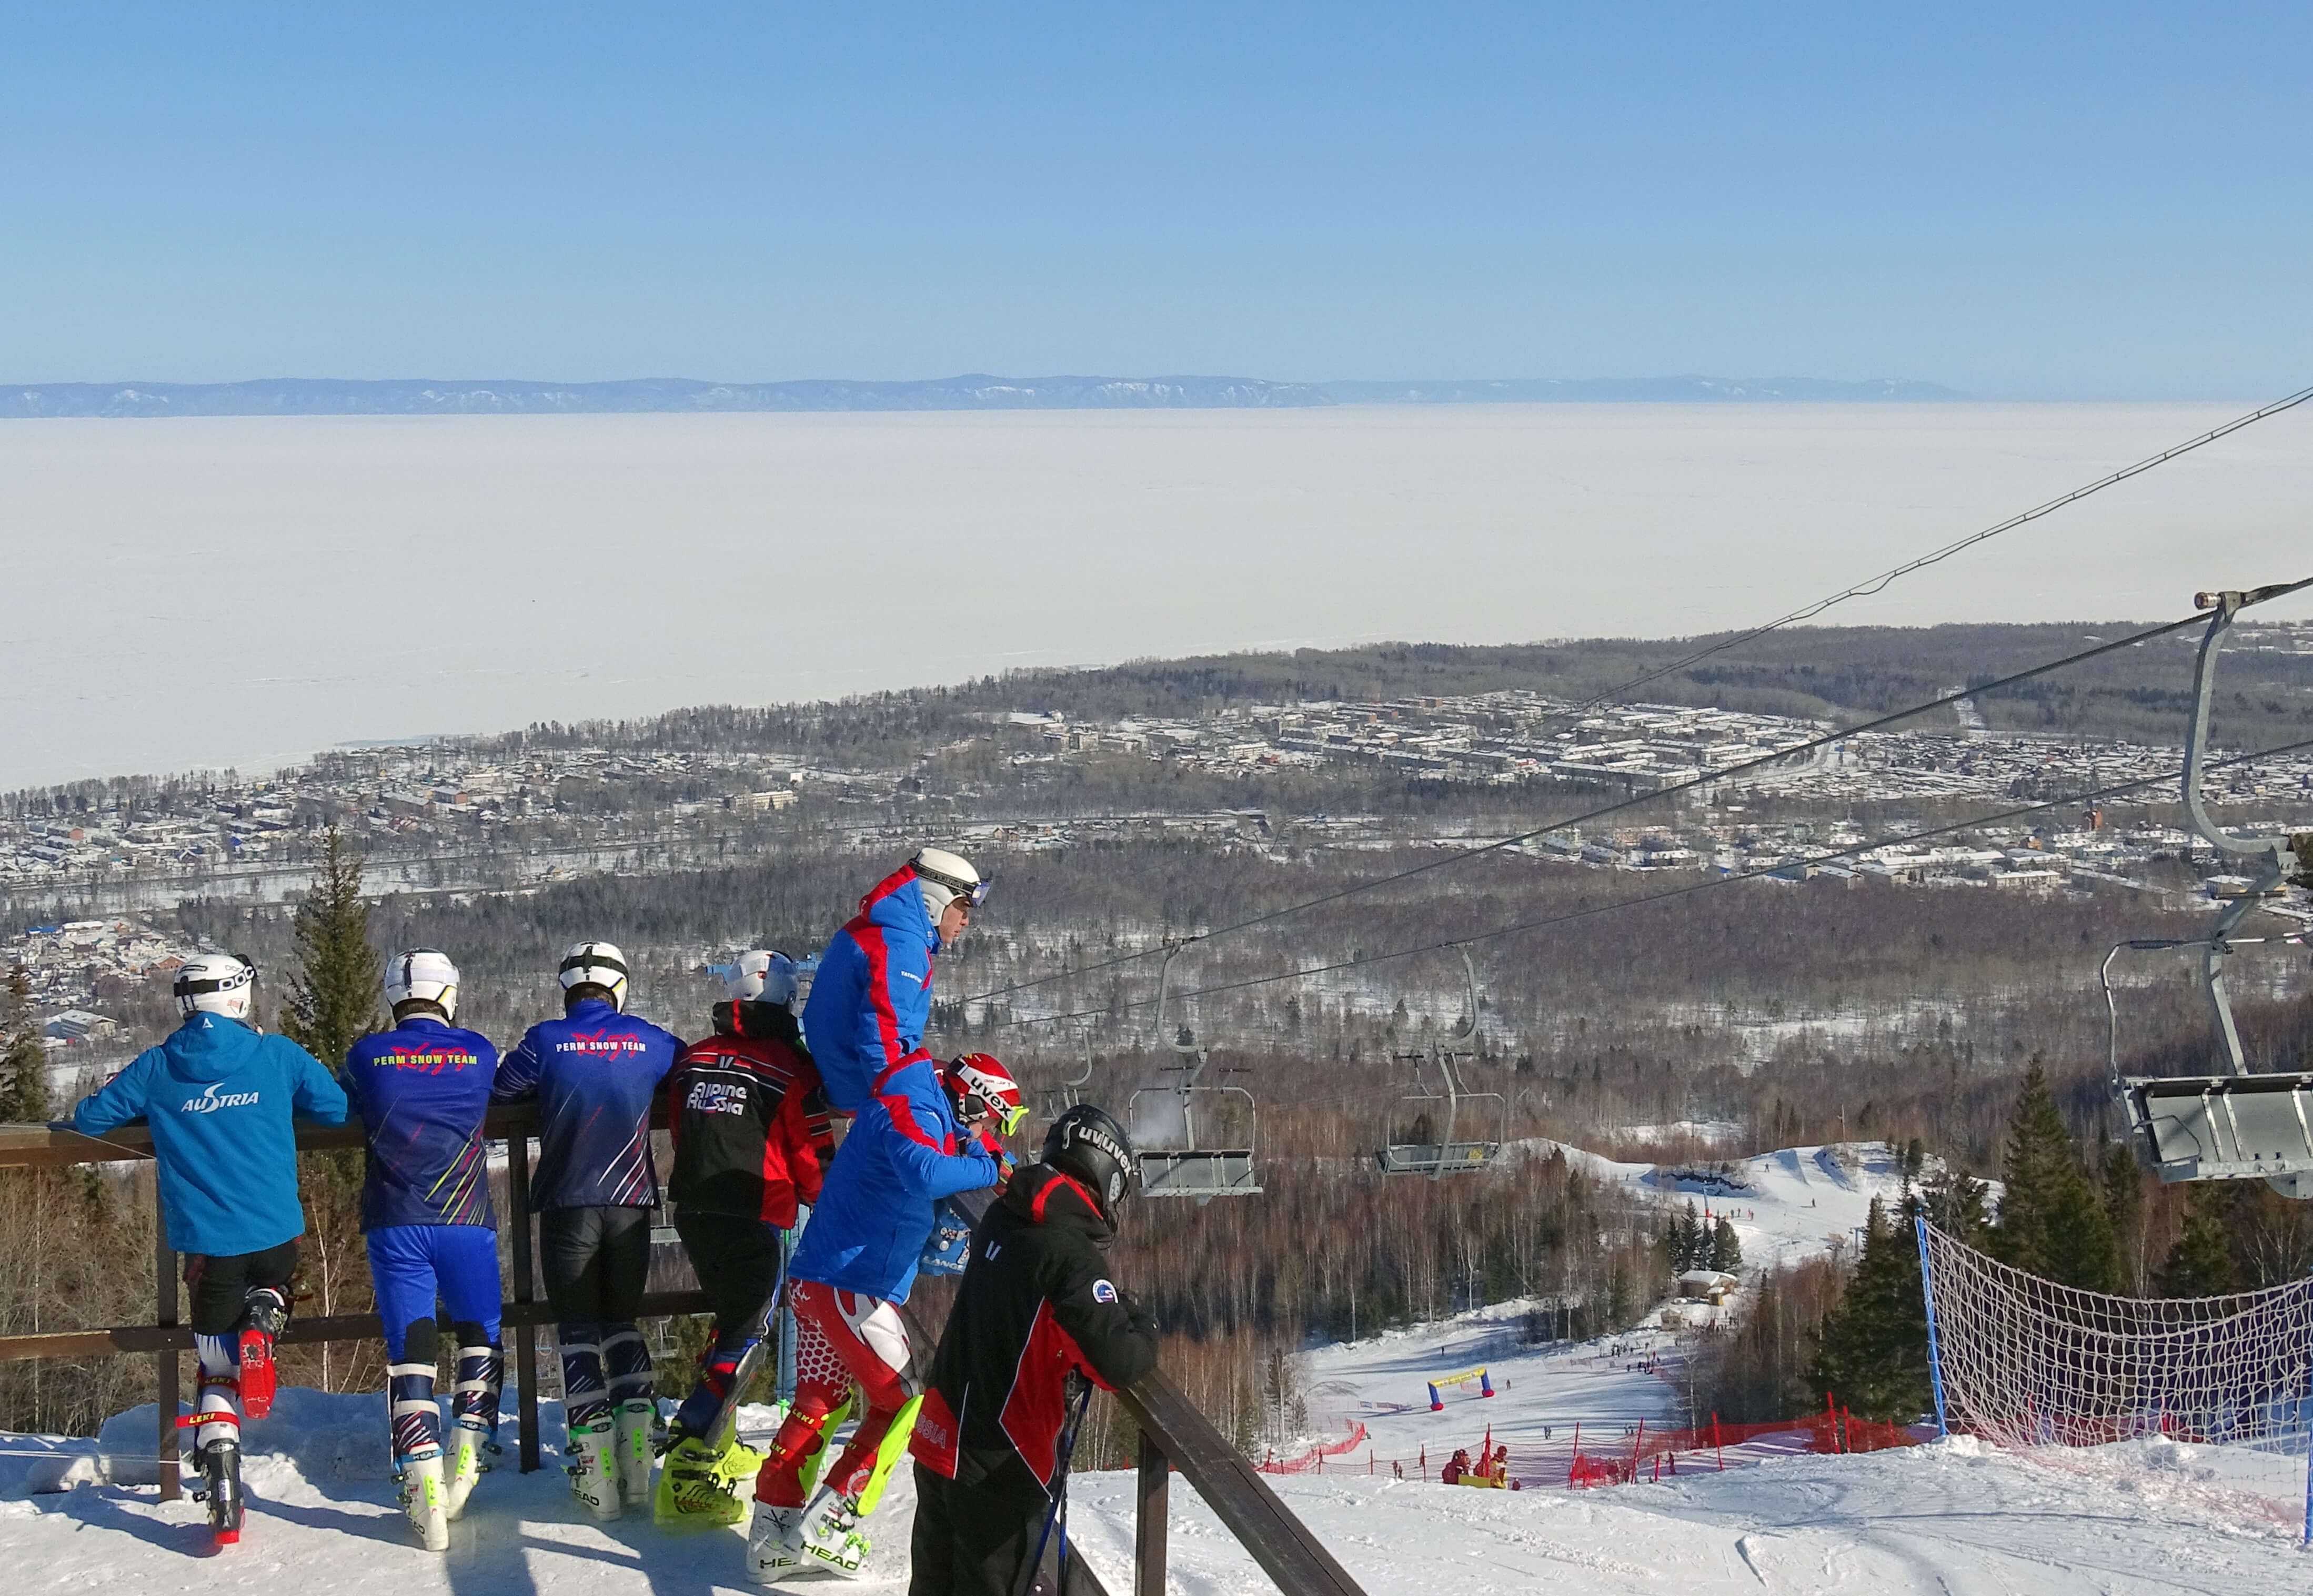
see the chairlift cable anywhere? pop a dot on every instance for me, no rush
(1778, 755)
(1878, 583)
(1689, 890)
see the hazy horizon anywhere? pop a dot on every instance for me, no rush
(245, 592)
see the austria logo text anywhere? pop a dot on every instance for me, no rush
(211, 1100)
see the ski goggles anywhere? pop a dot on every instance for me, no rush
(1007, 1116)
(973, 893)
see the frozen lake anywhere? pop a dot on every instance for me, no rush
(244, 590)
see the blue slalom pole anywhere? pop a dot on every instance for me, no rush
(1936, 1360)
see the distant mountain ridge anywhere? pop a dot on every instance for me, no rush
(329, 396)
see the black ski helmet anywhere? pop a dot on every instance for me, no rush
(1085, 1143)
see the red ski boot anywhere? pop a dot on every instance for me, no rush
(265, 1314)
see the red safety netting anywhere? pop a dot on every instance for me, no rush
(1314, 1458)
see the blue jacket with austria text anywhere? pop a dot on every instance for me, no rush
(421, 1089)
(593, 1072)
(221, 1098)
(872, 994)
(905, 1152)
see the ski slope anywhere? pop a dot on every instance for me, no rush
(1944, 1519)
(1785, 1205)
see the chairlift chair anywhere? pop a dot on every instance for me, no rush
(2232, 1126)
(1058, 1099)
(1447, 1155)
(1191, 1171)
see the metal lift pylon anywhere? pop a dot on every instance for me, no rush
(2232, 1126)
(1189, 1170)
(1446, 1155)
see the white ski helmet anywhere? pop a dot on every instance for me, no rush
(761, 975)
(943, 878)
(422, 975)
(597, 964)
(216, 984)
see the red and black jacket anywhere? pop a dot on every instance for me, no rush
(1036, 1302)
(752, 1137)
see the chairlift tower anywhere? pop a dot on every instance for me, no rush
(2233, 1124)
(1447, 1155)
(1190, 1170)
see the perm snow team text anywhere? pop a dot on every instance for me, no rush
(914, 1184)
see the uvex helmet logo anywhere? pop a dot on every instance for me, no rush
(211, 1100)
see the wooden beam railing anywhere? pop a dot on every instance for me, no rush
(49, 1146)
(1173, 1435)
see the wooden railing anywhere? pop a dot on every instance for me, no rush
(1174, 1436)
(167, 1337)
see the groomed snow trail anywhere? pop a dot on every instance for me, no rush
(1944, 1519)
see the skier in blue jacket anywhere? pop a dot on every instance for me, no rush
(595, 1072)
(220, 1096)
(921, 1135)
(873, 993)
(422, 1089)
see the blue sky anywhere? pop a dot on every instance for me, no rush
(2106, 201)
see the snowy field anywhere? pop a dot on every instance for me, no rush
(1944, 1519)
(1785, 1205)
(569, 566)
(1949, 1518)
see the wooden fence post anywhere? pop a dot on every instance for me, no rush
(525, 1335)
(164, 1315)
(1150, 1522)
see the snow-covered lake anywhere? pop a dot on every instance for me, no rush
(247, 589)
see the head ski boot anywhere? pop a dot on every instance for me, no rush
(594, 1471)
(637, 1430)
(469, 1456)
(426, 1498)
(775, 1544)
(831, 1536)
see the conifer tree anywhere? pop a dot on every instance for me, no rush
(333, 997)
(334, 1004)
(2052, 1222)
(1725, 1246)
(24, 1062)
(1872, 1352)
(1956, 1203)
(2201, 1264)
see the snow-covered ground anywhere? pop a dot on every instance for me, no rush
(1785, 1205)
(1949, 1519)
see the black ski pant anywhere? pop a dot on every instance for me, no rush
(970, 1541)
(220, 1283)
(738, 1261)
(596, 1262)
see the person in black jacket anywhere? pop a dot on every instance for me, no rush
(1036, 1306)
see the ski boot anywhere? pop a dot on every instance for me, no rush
(831, 1536)
(220, 1482)
(470, 1460)
(640, 1435)
(264, 1314)
(594, 1471)
(698, 1485)
(425, 1498)
(775, 1544)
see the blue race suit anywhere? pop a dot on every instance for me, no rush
(873, 993)
(594, 1072)
(421, 1089)
(220, 1096)
(905, 1152)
